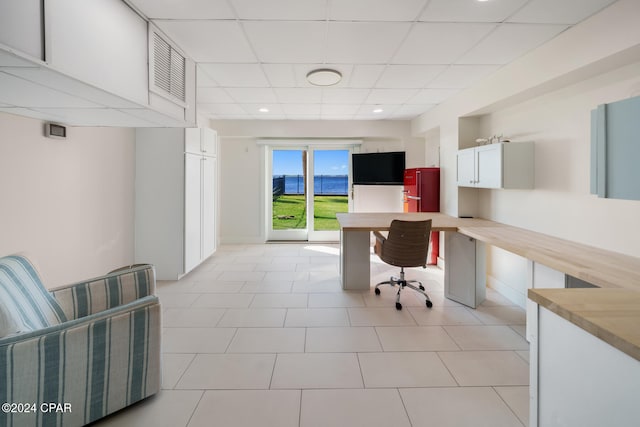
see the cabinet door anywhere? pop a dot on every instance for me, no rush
(192, 140)
(466, 168)
(208, 206)
(192, 211)
(489, 166)
(208, 142)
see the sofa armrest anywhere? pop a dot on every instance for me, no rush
(102, 293)
(95, 365)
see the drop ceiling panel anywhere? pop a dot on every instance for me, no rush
(287, 42)
(299, 95)
(339, 109)
(375, 10)
(364, 42)
(184, 9)
(509, 42)
(204, 80)
(439, 43)
(247, 95)
(301, 109)
(390, 96)
(461, 76)
(280, 75)
(209, 41)
(228, 109)
(237, 75)
(470, 10)
(408, 76)
(558, 12)
(213, 95)
(344, 96)
(411, 110)
(307, 10)
(365, 76)
(432, 96)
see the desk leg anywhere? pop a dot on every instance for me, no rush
(464, 270)
(354, 259)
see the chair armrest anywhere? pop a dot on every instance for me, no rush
(97, 365)
(105, 292)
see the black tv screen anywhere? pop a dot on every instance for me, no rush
(378, 168)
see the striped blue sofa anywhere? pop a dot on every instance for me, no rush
(77, 353)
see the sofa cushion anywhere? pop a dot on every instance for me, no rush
(25, 304)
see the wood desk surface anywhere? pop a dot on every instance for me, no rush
(368, 221)
(613, 315)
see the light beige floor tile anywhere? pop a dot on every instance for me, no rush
(253, 317)
(494, 337)
(495, 298)
(216, 287)
(370, 408)
(252, 259)
(266, 288)
(455, 407)
(316, 370)
(279, 301)
(223, 301)
(439, 300)
(518, 400)
(501, 315)
(248, 408)
(387, 298)
(172, 286)
(268, 340)
(298, 259)
(241, 276)
(383, 316)
(328, 285)
(330, 340)
(443, 316)
(191, 317)
(486, 368)
(325, 267)
(404, 369)
(242, 267)
(415, 338)
(322, 275)
(228, 371)
(173, 366)
(316, 317)
(278, 276)
(338, 299)
(176, 300)
(279, 266)
(168, 408)
(196, 340)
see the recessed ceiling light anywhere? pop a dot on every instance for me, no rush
(378, 110)
(324, 77)
(263, 110)
(482, 1)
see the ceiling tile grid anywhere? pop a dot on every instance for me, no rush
(398, 58)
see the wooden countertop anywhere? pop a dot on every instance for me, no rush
(365, 221)
(613, 315)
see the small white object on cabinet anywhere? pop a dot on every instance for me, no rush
(176, 194)
(499, 165)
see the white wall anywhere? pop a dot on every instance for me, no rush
(546, 97)
(242, 162)
(67, 203)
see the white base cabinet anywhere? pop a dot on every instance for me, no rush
(176, 199)
(500, 165)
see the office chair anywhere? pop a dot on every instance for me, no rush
(406, 246)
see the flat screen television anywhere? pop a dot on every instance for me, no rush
(378, 168)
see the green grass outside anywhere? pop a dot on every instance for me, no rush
(289, 212)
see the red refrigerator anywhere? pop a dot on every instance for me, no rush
(422, 194)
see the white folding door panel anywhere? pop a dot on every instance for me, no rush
(192, 211)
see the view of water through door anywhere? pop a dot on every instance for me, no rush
(309, 186)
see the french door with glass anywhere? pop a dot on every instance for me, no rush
(307, 186)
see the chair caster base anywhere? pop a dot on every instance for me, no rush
(421, 287)
(398, 306)
(377, 291)
(429, 304)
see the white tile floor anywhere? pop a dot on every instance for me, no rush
(263, 335)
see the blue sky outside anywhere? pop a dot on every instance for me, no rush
(326, 162)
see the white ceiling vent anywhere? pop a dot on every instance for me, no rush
(167, 68)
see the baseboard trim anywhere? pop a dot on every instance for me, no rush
(507, 291)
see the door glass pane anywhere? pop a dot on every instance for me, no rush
(289, 203)
(330, 187)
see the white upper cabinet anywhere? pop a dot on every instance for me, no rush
(21, 27)
(500, 165)
(100, 42)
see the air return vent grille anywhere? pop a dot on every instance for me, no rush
(168, 69)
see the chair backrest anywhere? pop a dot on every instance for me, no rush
(407, 244)
(25, 304)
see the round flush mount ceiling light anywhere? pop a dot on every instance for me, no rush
(324, 77)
